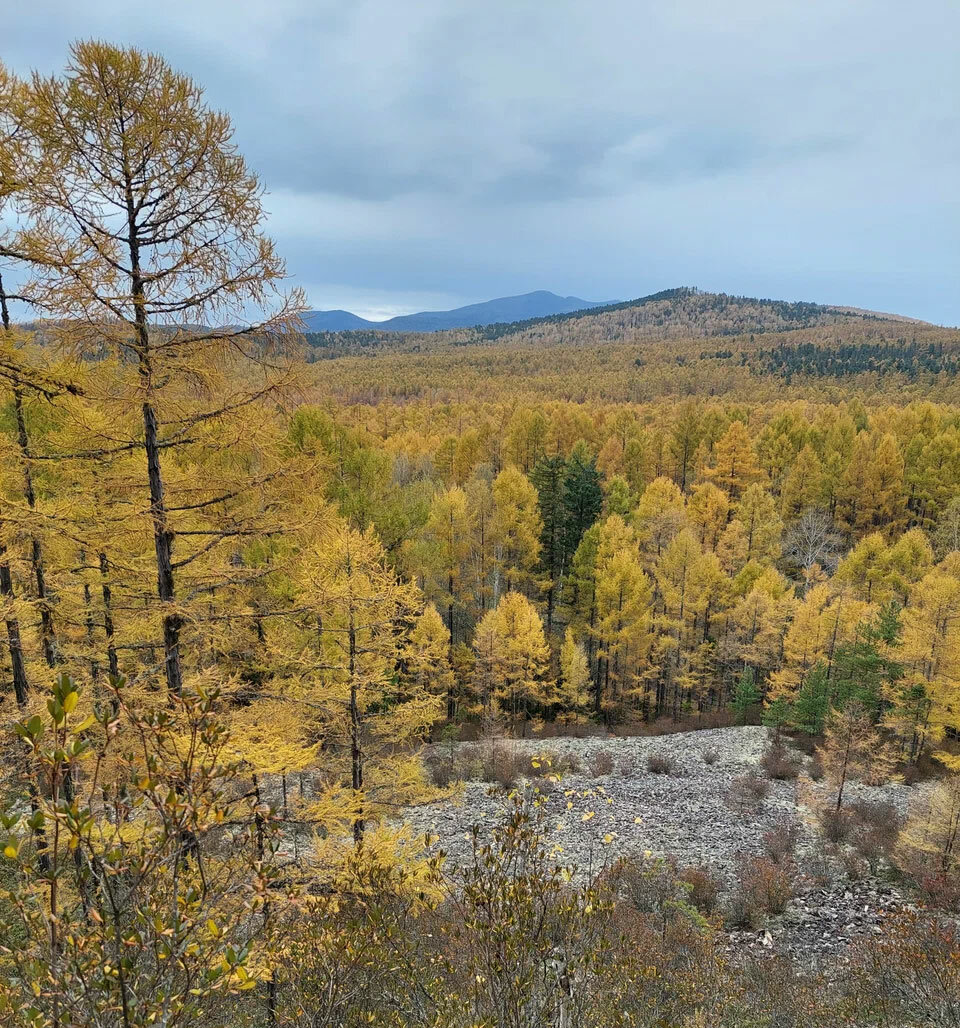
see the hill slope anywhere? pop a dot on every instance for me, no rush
(681, 313)
(540, 303)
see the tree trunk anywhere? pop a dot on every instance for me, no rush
(162, 535)
(356, 751)
(47, 633)
(21, 685)
(112, 661)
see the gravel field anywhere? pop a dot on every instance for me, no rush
(687, 816)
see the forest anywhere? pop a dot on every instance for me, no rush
(252, 580)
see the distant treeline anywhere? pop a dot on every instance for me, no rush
(900, 357)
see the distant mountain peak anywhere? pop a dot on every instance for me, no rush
(537, 304)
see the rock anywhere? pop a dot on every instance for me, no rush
(683, 816)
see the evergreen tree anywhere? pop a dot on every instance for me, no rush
(549, 477)
(812, 703)
(777, 715)
(582, 496)
(862, 669)
(746, 696)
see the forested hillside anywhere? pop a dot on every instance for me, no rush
(243, 590)
(682, 313)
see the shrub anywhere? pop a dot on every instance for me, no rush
(742, 912)
(710, 756)
(940, 889)
(441, 768)
(504, 766)
(767, 885)
(778, 763)
(601, 763)
(908, 975)
(549, 762)
(661, 763)
(747, 792)
(878, 827)
(836, 825)
(647, 885)
(703, 888)
(780, 842)
(815, 769)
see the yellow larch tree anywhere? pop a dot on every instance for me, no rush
(361, 609)
(660, 514)
(803, 485)
(734, 463)
(447, 535)
(131, 257)
(515, 530)
(810, 638)
(756, 512)
(931, 646)
(513, 658)
(623, 622)
(708, 510)
(426, 659)
(572, 691)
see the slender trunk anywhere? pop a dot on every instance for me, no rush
(88, 619)
(47, 633)
(843, 771)
(270, 985)
(163, 536)
(451, 699)
(356, 752)
(112, 661)
(163, 545)
(21, 685)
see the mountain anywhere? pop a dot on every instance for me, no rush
(682, 312)
(334, 321)
(538, 304)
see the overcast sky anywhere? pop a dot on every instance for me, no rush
(429, 153)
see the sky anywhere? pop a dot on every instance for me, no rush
(431, 153)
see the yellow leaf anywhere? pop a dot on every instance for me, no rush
(10, 851)
(588, 815)
(70, 701)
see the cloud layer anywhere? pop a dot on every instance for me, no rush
(428, 153)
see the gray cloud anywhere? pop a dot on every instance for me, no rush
(458, 149)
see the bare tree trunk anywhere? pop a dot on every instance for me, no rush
(112, 661)
(162, 534)
(47, 632)
(88, 619)
(356, 751)
(21, 685)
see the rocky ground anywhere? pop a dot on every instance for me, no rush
(686, 816)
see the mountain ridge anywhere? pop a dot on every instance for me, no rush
(500, 310)
(494, 319)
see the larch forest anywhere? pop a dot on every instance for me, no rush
(266, 592)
